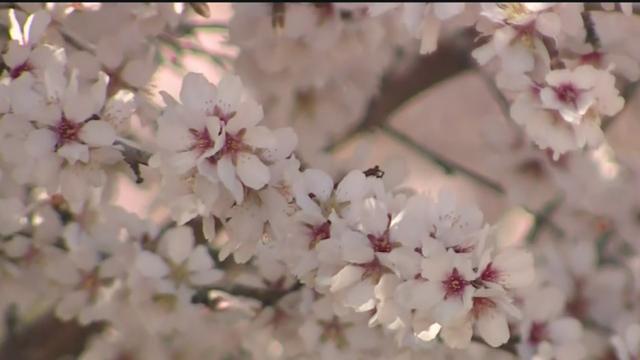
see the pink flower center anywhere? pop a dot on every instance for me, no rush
(480, 305)
(202, 140)
(490, 274)
(233, 144)
(223, 116)
(333, 330)
(537, 333)
(567, 93)
(91, 283)
(460, 249)
(594, 57)
(66, 131)
(382, 243)
(18, 70)
(319, 233)
(454, 284)
(31, 255)
(373, 269)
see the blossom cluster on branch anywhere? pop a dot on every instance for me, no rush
(270, 248)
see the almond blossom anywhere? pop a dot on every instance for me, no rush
(182, 264)
(252, 217)
(215, 130)
(575, 101)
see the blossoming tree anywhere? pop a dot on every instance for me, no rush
(260, 242)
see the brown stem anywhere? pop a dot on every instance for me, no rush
(48, 338)
(397, 89)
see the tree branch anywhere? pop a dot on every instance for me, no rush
(134, 156)
(447, 165)
(48, 338)
(543, 218)
(397, 89)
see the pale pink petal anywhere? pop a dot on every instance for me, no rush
(349, 275)
(361, 297)
(493, 328)
(457, 336)
(183, 161)
(199, 259)
(15, 30)
(197, 92)
(151, 265)
(74, 152)
(16, 54)
(62, 271)
(97, 133)
(251, 171)
(430, 33)
(138, 72)
(209, 227)
(565, 329)
(71, 304)
(259, 137)
(227, 174)
(376, 9)
(549, 24)
(248, 114)
(422, 295)
(352, 186)
(40, 142)
(179, 243)
(35, 26)
(356, 248)
(229, 92)
(286, 142)
(206, 277)
(173, 135)
(447, 11)
(17, 246)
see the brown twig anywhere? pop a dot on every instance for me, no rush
(48, 338)
(397, 89)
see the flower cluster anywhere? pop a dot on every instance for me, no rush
(314, 66)
(264, 247)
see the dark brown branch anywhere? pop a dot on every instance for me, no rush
(627, 94)
(590, 29)
(396, 89)
(134, 157)
(267, 296)
(48, 338)
(448, 166)
(543, 218)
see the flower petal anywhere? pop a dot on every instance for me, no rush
(248, 114)
(35, 26)
(179, 243)
(259, 137)
(151, 265)
(199, 259)
(71, 304)
(356, 248)
(352, 186)
(349, 275)
(206, 277)
(197, 92)
(74, 152)
(98, 133)
(251, 171)
(227, 174)
(492, 326)
(40, 142)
